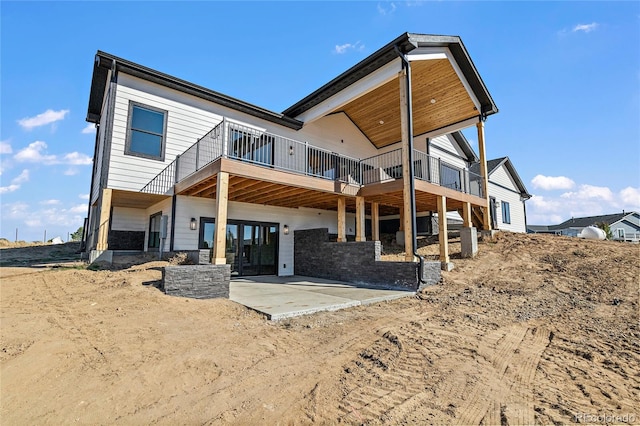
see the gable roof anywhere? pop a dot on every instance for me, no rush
(464, 145)
(106, 61)
(582, 222)
(493, 165)
(405, 44)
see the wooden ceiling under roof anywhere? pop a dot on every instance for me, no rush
(377, 113)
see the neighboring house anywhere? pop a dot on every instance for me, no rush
(624, 226)
(507, 195)
(178, 167)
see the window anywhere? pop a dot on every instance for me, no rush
(506, 213)
(207, 232)
(146, 132)
(154, 231)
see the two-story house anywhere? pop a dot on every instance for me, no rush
(179, 167)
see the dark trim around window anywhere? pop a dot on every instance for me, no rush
(163, 142)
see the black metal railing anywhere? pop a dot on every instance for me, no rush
(240, 142)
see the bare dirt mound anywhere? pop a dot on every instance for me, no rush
(535, 330)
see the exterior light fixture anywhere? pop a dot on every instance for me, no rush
(285, 229)
(290, 149)
(193, 224)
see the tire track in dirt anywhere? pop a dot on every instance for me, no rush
(388, 378)
(91, 354)
(515, 356)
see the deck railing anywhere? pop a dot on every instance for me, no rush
(248, 144)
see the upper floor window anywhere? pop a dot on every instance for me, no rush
(146, 131)
(506, 212)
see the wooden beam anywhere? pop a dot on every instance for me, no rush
(443, 236)
(466, 215)
(342, 220)
(105, 218)
(485, 175)
(375, 221)
(406, 165)
(360, 219)
(222, 200)
(401, 228)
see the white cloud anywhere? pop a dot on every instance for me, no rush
(587, 28)
(5, 147)
(71, 171)
(344, 48)
(631, 198)
(587, 200)
(9, 188)
(83, 196)
(22, 177)
(77, 159)
(90, 128)
(49, 216)
(549, 183)
(590, 192)
(388, 10)
(47, 117)
(35, 153)
(50, 202)
(78, 208)
(16, 182)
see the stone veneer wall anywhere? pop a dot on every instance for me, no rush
(197, 281)
(355, 262)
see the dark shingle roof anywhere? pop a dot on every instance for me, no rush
(581, 222)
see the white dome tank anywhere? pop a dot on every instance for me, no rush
(592, 233)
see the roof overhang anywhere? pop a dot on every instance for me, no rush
(447, 91)
(105, 62)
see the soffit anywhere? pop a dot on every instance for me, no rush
(377, 113)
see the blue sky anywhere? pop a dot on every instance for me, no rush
(565, 75)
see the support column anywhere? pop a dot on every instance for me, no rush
(405, 224)
(342, 220)
(443, 237)
(222, 201)
(105, 219)
(466, 215)
(486, 218)
(375, 221)
(360, 219)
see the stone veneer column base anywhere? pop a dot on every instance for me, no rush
(197, 281)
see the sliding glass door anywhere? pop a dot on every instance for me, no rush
(251, 247)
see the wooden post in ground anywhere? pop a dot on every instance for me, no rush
(486, 218)
(443, 237)
(375, 221)
(105, 218)
(342, 220)
(466, 215)
(222, 201)
(406, 223)
(360, 219)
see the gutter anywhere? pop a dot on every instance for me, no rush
(406, 65)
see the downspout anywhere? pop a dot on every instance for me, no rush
(406, 65)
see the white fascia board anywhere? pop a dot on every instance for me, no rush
(430, 53)
(452, 128)
(359, 88)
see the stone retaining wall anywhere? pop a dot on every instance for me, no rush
(355, 262)
(197, 281)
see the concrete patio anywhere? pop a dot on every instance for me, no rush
(286, 297)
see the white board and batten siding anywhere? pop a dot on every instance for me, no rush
(502, 188)
(189, 118)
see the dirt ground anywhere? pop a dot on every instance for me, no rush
(535, 330)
